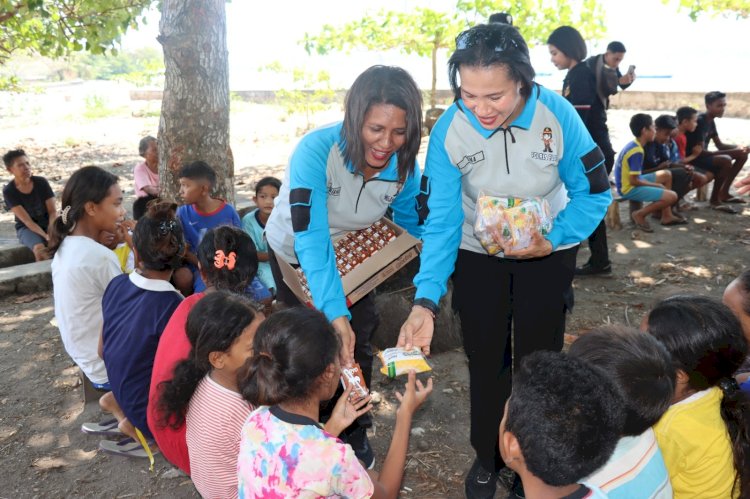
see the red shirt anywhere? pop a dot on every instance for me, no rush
(174, 347)
(681, 141)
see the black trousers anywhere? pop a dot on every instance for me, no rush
(365, 320)
(598, 239)
(508, 309)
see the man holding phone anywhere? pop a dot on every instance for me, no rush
(605, 68)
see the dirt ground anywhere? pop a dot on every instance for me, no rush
(42, 450)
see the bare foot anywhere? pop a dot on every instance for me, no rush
(127, 428)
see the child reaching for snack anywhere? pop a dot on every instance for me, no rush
(295, 367)
(203, 393)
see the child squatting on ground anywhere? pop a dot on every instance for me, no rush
(226, 243)
(136, 308)
(561, 423)
(705, 434)
(82, 268)
(284, 452)
(204, 396)
(254, 223)
(642, 371)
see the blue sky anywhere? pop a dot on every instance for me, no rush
(699, 56)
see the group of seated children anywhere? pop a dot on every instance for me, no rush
(669, 157)
(630, 414)
(232, 398)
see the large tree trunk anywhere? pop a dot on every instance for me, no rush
(194, 121)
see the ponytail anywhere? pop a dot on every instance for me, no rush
(265, 383)
(735, 411)
(176, 393)
(291, 349)
(213, 325)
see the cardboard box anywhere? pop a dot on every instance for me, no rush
(367, 275)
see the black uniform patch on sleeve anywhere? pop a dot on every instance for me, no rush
(596, 173)
(424, 194)
(299, 204)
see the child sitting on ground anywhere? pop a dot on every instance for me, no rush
(737, 298)
(687, 122)
(294, 368)
(652, 187)
(32, 202)
(201, 212)
(135, 309)
(561, 423)
(705, 434)
(174, 345)
(641, 369)
(82, 268)
(146, 176)
(203, 394)
(254, 223)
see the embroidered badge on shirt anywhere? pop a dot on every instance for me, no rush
(548, 143)
(471, 159)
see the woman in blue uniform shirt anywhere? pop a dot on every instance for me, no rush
(344, 177)
(509, 137)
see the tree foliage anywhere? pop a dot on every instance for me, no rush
(310, 91)
(425, 32)
(738, 8)
(58, 27)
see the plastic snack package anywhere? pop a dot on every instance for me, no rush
(513, 220)
(398, 361)
(353, 376)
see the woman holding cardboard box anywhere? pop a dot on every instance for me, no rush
(344, 177)
(506, 145)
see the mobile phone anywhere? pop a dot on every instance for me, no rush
(631, 69)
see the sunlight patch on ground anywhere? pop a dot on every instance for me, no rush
(621, 249)
(642, 244)
(699, 220)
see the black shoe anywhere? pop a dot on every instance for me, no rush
(588, 269)
(510, 481)
(361, 446)
(480, 483)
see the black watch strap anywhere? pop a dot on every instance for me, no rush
(428, 304)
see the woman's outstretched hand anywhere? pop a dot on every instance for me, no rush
(417, 330)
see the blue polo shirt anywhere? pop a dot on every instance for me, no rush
(135, 312)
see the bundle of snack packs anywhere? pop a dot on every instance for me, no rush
(513, 220)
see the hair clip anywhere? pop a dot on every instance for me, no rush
(729, 386)
(64, 214)
(221, 260)
(167, 226)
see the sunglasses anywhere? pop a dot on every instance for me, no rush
(473, 37)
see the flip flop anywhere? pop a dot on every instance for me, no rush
(724, 208)
(108, 427)
(677, 221)
(126, 447)
(645, 227)
(735, 200)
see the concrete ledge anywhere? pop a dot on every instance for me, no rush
(26, 279)
(15, 254)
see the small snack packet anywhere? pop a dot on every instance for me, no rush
(352, 376)
(513, 220)
(398, 361)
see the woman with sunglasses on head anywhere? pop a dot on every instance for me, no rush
(344, 177)
(508, 137)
